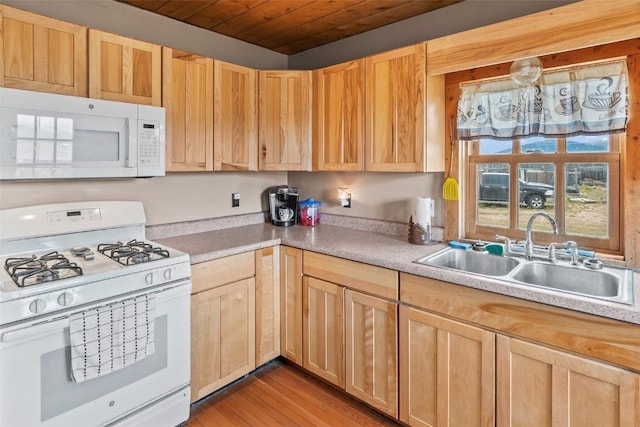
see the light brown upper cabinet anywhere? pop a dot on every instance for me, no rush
(234, 117)
(124, 69)
(42, 54)
(187, 95)
(338, 125)
(401, 104)
(284, 114)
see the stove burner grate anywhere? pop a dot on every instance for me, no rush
(132, 252)
(28, 271)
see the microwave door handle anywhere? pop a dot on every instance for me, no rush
(131, 160)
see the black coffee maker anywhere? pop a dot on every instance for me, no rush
(283, 205)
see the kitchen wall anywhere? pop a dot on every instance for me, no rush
(386, 196)
(172, 198)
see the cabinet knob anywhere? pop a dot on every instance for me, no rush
(264, 151)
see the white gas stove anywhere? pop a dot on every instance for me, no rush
(61, 261)
(55, 257)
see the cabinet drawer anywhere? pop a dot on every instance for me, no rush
(221, 271)
(355, 275)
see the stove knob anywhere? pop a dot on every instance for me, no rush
(65, 299)
(149, 279)
(167, 274)
(37, 306)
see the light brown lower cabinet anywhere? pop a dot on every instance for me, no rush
(412, 362)
(371, 350)
(539, 386)
(267, 304)
(447, 371)
(291, 304)
(223, 336)
(222, 322)
(323, 329)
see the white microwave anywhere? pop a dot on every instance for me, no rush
(48, 136)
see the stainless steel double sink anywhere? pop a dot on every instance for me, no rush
(609, 283)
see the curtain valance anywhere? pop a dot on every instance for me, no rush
(591, 99)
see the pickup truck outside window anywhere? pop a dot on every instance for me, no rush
(494, 188)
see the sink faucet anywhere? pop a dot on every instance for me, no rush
(528, 243)
(574, 251)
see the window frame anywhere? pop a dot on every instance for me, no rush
(610, 244)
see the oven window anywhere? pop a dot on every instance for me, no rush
(61, 394)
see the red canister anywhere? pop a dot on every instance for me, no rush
(310, 212)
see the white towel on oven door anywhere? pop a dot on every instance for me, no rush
(111, 337)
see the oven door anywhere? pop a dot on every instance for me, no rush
(35, 370)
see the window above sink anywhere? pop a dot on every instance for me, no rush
(575, 179)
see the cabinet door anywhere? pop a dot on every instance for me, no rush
(338, 125)
(267, 304)
(235, 144)
(284, 112)
(371, 351)
(42, 54)
(447, 372)
(323, 329)
(222, 336)
(291, 304)
(395, 110)
(538, 386)
(124, 69)
(187, 95)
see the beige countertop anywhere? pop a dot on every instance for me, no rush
(384, 250)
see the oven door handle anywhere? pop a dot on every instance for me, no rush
(33, 331)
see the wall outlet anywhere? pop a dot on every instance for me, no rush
(235, 200)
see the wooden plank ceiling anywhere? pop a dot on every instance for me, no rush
(289, 26)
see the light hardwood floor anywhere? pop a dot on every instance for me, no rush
(280, 394)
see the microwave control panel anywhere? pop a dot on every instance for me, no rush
(149, 144)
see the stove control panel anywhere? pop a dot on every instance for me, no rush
(160, 275)
(92, 214)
